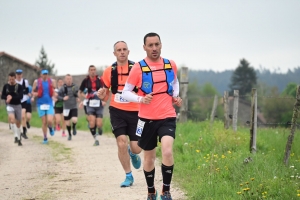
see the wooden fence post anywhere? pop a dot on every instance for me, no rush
(293, 127)
(226, 110)
(235, 110)
(253, 123)
(184, 81)
(213, 111)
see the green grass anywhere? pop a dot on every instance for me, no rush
(209, 163)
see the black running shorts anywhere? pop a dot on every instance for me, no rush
(153, 129)
(72, 113)
(123, 122)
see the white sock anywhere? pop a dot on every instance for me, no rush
(14, 129)
(96, 136)
(19, 133)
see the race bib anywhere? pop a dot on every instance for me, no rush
(10, 109)
(139, 128)
(84, 102)
(66, 112)
(45, 107)
(120, 99)
(94, 103)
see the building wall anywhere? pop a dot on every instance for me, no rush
(8, 65)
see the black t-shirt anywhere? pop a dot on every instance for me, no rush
(16, 91)
(88, 83)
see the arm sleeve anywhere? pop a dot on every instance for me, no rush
(82, 86)
(129, 95)
(60, 93)
(176, 87)
(3, 94)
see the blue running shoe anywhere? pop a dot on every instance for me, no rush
(128, 182)
(152, 196)
(52, 132)
(45, 141)
(135, 159)
(166, 196)
(74, 131)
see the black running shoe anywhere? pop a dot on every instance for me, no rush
(19, 143)
(16, 140)
(24, 136)
(27, 124)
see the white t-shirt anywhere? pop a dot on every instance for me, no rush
(25, 96)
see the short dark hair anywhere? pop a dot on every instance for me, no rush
(12, 74)
(92, 66)
(119, 42)
(150, 35)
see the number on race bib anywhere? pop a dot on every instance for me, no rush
(10, 109)
(139, 128)
(94, 103)
(44, 107)
(66, 112)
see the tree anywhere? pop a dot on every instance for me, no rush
(290, 90)
(44, 63)
(243, 78)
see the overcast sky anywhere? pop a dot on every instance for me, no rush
(199, 34)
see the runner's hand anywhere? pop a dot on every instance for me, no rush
(80, 105)
(101, 93)
(66, 98)
(146, 99)
(177, 101)
(8, 98)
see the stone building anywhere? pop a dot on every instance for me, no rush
(9, 63)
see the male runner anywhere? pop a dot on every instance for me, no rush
(159, 89)
(58, 109)
(91, 84)
(28, 108)
(69, 94)
(12, 93)
(123, 114)
(26, 95)
(43, 89)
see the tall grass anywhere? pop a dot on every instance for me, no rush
(210, 163)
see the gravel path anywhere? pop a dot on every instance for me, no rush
(36, 171)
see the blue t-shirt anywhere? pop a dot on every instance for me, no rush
(29, 91)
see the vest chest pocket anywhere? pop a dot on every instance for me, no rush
(94, 103)
(45, 107)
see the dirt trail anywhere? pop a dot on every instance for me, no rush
(32, 172)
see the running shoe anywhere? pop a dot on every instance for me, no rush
(57, 127)
(152, 196)
(135, 159)
(63, 134)
(70, 137)
(19, 143)
(24, 135)
(166, 196)
(52, 132)
(45, 141)
(16, 140)
(74, 131)
(128, 182)
(96, 143)
(27, 124)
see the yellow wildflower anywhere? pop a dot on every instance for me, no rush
(239, 192)
(223, 156)
(197, 151)
(252, 179)
(229, 151)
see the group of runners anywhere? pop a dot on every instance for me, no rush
(143, 95)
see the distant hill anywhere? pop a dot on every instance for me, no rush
(221, 80)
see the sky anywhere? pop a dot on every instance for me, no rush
(199, 34)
